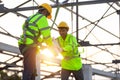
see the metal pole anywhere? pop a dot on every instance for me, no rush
(77, 20)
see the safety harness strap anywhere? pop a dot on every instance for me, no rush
(27, 24)
(45, 29)
(38, 18)
(29, 36)
(36, 37)
(31, 30)
(33, 24)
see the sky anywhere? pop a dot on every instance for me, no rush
(107, 31)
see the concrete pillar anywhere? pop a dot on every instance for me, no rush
(38, 66)
(87, 72)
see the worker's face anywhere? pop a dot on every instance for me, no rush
(63, 32)
(45, 12)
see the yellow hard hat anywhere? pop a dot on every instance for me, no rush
(63, 25)
(48, 8)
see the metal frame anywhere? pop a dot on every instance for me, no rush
(16, 10)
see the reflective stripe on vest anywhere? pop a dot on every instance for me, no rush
(27, 28)
(45, 29)
(70, 57)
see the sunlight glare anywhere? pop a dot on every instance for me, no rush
(47, 52)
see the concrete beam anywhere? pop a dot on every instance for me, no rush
(87, 72)
(105, 74)
(9, 48)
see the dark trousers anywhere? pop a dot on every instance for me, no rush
(77, 74)
(29, 63)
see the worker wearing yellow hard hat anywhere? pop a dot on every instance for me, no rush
(36, 30)
(71, 62)
(63, 25)
(48, 8)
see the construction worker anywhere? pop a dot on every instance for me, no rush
(71, 62)
(35, 32)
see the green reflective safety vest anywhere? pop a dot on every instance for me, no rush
(36, 30)
(71, 56)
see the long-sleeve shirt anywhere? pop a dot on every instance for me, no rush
(71, 55)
